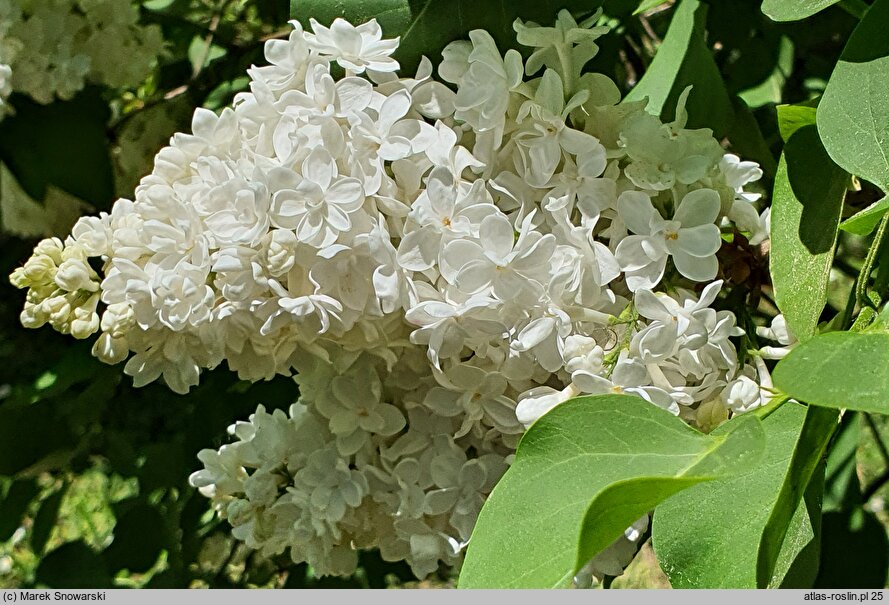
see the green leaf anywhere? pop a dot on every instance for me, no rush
(139, 537)
(838, 370)
(771, 90)
(793, 117)
(842, 490)
(46, 518)
(853, 117)
(684, 59)
(794, 10)
(582, 474)
(700, 547)
(806, 204)
(73, 565)
(747, 139)
(800, 556)
(14, 505)
(817, 430)
(79, 163)
(864, 222)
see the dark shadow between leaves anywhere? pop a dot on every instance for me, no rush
(854, 551)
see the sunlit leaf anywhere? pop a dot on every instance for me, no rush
(583, 473)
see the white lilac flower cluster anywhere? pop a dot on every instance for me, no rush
(51, 48)
(440, 266)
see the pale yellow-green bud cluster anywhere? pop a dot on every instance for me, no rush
(63, 290)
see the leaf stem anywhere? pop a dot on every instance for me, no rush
(765, 411)
(856, 8)
(210, 36)
(567, 61)
(867, 267)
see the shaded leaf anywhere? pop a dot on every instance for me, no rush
(139, 537)
(817, 429)
(73, 565)
(583, 473)
(46, 518)
(684, 59)
(273, 11)
(771, 90)
(163, 466)
(800, 556)
(854, 551)
(29, 434)
(699, 546)
(30, 147)
(838, 370)
(14, 505)
(806, 204)
(747, 138)
(645, 5)
(842, 491)
(853, 116)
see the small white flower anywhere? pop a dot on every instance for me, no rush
(628, 376)
(354, 48)
(510, 266)
(690, 237)
(484, 79)
(442, 213)
(318, 204)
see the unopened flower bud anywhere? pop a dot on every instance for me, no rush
(32, 316)
(51, 247)
(710, 414)
(86, 327)
(19, 279)
(110, 350)
(118, 319)
(74, 275)
(741, 395)
(39, 268)
(75, 252)
(57, 308)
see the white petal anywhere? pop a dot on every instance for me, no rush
(497, 237)
(418, 250)
(695, 268)
(534, 333)
(698, 207)
(636, 210)
(650, 306)
(701, 241)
